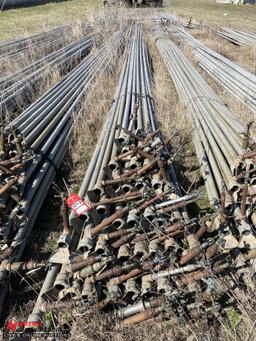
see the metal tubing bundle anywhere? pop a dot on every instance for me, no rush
(228, 171)
(237, 81)
(32, 148)
(238, 37)
(218, 126)
(14, 48)
(127, 174)
(18, 87)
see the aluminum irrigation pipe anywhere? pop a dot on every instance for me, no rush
(37, 176)
(17, 88)
(10, 79)
(237, 81)
(238, 37)
(217, 139)
(14, 47)
(218, 128)
(33, 121)
(42, 49)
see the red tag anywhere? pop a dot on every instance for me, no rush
(78, 205)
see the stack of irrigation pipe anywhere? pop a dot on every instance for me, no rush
(18, 88)
(237, 81)
(222, 146)
(238, 37)
(135, 253)
(46, 40)
(128, 186)
(32, 147)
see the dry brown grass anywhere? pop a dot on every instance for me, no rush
(96, 326)
(92, 326)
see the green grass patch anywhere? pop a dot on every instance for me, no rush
(22, 21)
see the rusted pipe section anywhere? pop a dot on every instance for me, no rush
(150, 202)
(128, 176)
(6, 170)
(108, 221)
(125, 156)
(133, 273)
(141, 317)
(78, 265)
(22, 266)
(64, 238)
(123, 240)
(248, 155)
(177, 206)
(120, 199)
(198, 275)
(117, 234)
(193, 253)
(115, 271)
(144, 154)
(141, 306)
(8, 185)
(6, 253)
(131, 134)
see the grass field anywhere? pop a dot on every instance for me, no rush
(209, 12)
(28, 20)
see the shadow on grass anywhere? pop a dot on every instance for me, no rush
(11, 4)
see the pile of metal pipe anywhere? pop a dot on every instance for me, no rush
(14, 48)
(238, 37)
(237, 81)
(210, 115)
(17, 89)
(32, 147)
(136, 253)
(222, 144)
(126, 175)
